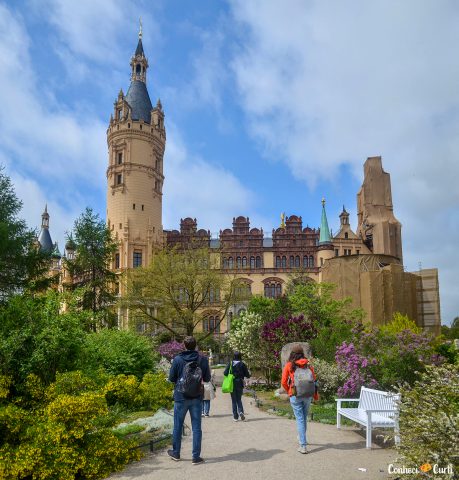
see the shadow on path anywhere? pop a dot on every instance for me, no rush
(249, 455)
(336, 446)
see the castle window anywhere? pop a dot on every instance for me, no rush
(346, 235)
(230, 262)
(252, 262)
(133, 206)
(120, 158)
(278, 262)
(238, 262)
(142, 208)
(273, 290)
(305, 262)
(321, 261)
(119, 114)
(240, 243)
(292, 261)
(336, 252)
(129, 125)
(357, 252)
(225, 263)
(284, 262)
(140, 127)
(311, 261)
(121, 226)
(297, 262)
(119, 179)
(258, 262)
(117, 260)
(137, 259)
(244, 262)
(211, 324)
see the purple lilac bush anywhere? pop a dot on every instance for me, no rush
(170, 349)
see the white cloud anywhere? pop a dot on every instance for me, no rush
(195, 188)
(327, 83)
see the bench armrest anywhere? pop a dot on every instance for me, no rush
(347, 399)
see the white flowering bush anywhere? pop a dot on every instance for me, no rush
(330, 378)
(429, 420)
(245, 337)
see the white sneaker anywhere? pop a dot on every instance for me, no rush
(235, 420)
(303, 450)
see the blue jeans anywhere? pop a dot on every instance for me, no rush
(300, 408)
(205, 407)
(236, 399)
(193, 405)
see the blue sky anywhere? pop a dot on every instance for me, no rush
(269, 107)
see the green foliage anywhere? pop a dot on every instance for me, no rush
(35, 338)
(448, 351)
(119, 352)
(398, 324)
(22, 264)
(452, 332)
(61, 438)
(330, 378)
(182, 285)
(91, 264)
(269, 308)
(429, 419)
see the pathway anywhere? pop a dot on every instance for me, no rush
(264, 447)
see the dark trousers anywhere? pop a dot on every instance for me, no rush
(194, 406)
(205, 407)
(236, 399)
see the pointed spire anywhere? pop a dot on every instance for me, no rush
(140, 27)
(325, 236)
(45, 218)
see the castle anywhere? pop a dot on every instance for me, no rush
(366, 265)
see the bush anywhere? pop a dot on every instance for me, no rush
(429, 419)
(119, 352)
(330, 378)
(170, 349)
(61, 438)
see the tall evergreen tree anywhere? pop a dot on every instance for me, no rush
(22, 264)
(90, 267)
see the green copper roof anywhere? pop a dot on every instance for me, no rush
(56, 253)
(325, 236)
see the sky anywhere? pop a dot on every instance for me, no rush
(269, 105)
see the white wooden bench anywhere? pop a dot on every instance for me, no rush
(375, 409)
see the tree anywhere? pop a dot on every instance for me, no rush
(21, 262)
(179, 290)
(90, 267)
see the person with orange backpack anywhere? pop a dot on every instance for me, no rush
(299, 381)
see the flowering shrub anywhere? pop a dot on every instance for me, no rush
(429, 419)
(358, 369)
(61, 438)
(171, 349)
(329, 376)
(282, 331)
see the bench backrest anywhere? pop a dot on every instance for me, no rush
(377, 399)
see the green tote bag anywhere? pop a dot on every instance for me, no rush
(227, 385)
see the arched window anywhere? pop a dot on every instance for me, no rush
(311, 261)
(305, 262)
(211, 324)
(258, 262)
(297, 262)
(230, 262)
(292, 261)
(284, 262)
(273, 289)
(278, 262)
(244, 262)
(346, 235)
(238, 262)
(252, 262)
(225, 263)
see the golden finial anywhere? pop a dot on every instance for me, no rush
(140, 29)
(282, 225)
(323, 201)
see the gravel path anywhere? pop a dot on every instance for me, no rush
(264, 447)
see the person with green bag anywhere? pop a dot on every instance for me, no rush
(233, 383)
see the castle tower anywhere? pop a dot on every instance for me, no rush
(44, 238)
(325, 250)
(378, 227)
(136, 140)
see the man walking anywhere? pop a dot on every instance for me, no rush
(188, 371)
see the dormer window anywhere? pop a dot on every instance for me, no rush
(346, 235)
(119, 114)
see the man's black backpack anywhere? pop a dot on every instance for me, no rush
(190, 383)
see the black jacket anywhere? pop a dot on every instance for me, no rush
(177, 369)
(240, 371)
